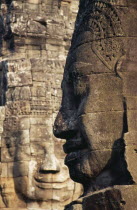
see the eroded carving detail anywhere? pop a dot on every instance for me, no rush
(99, 26)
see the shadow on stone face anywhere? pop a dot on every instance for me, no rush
(118, 165)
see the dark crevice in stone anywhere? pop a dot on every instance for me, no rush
(119, 165)
(3, 83)
(125, 121)
(123, 202)
(42, 22)
(135, 150)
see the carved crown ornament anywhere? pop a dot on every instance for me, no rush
(102, 24)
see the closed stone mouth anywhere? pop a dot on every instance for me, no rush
(48, 185)
(44, 181)
(40, 180)
(75, 156)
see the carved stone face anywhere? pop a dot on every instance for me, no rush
(46, 179)
(38, 174)
(91, 116)
(92, 109)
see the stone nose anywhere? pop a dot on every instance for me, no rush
(50, 164)
(60, 126)
(65, 126)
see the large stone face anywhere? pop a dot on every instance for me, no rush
(98, 111)
(35, 37)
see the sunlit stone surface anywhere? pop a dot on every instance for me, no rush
(35, 37)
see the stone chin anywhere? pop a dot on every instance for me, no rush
(87, 164)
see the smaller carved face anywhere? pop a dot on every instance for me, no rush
(38, 174)
(39, 171)
(91, 114)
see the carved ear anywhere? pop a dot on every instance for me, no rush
(11, 151)
(7, 153)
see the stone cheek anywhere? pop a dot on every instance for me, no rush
(34, 42)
